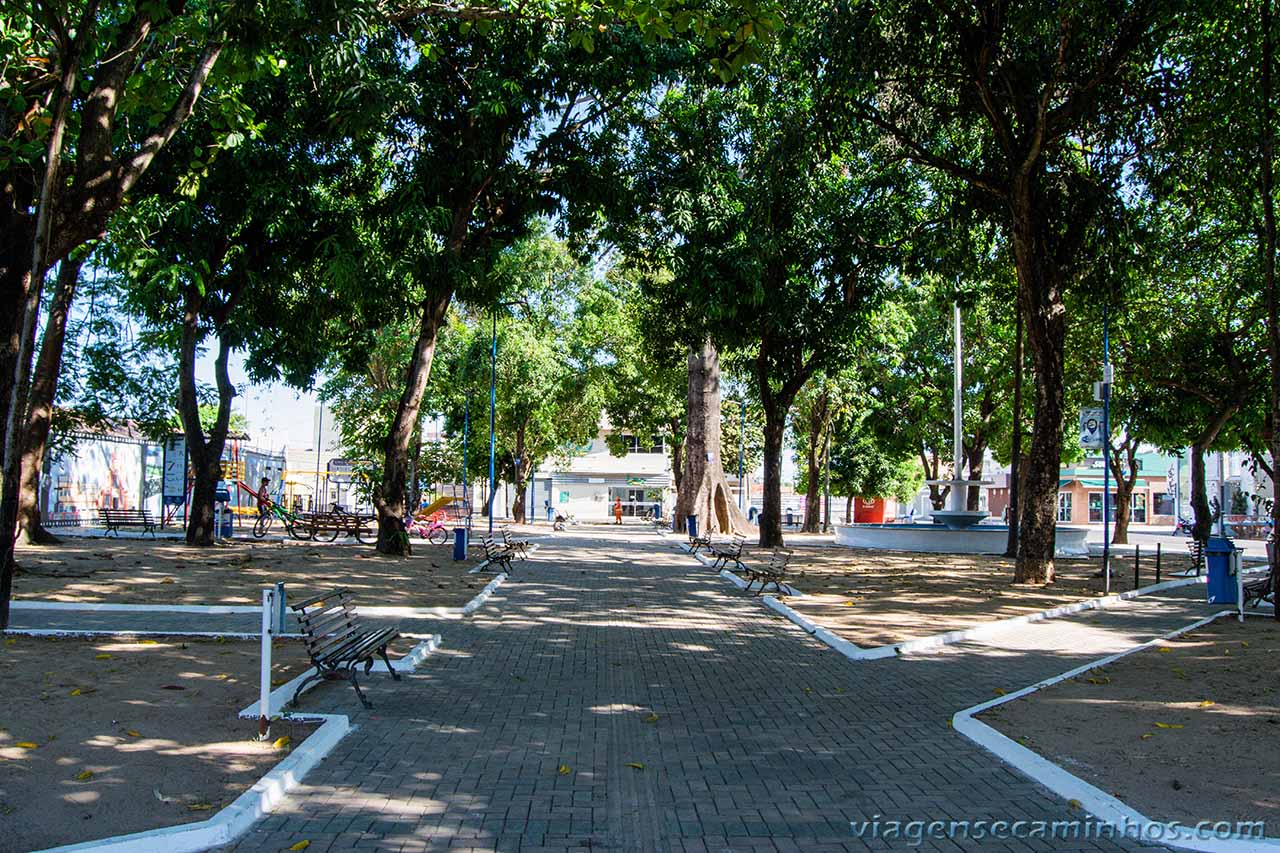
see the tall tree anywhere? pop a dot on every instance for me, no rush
(1029, 108)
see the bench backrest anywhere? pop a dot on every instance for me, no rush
(491, 548)
(328, 620)
(123, 514)
(779, 559)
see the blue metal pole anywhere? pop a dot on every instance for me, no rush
(493, 404)
(466, 439)
(1106, 449)
(742, 445)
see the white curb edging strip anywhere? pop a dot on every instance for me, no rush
(266, 794)
(277, 699)
(474, 604)
(862, 653)
(1095, 801)
(234, 820)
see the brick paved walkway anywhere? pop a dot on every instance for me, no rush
(765, 739)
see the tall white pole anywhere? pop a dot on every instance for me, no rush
(959, 493)
(264, 674)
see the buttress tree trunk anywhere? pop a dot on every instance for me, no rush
(44, 390)
(704, 490)
(389, 496)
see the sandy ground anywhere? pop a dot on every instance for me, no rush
(1185, 731)
(874, 598)
(94, 734)
(136, 571)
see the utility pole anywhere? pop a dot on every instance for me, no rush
(742, 446)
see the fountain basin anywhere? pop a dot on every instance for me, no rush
(938, 539)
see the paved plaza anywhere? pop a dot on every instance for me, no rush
(534, 728)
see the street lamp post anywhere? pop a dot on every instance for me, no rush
(493, 404)
(742, 446)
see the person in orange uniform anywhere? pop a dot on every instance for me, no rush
(617, 510)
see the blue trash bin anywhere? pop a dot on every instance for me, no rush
(459, 543)
(691, 525)
(1219, 553)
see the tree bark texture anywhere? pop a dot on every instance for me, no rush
(1041, 301)
(44, 390)
(389, 495)
(704, 489)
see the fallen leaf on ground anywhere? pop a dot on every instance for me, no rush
(1164, 649)
(1207, 703)
(148, 642)
(301, 845)
(161, 797)
(1103, 680)
(84, 775)
(133, 733)
(282, 742)
(1000, 691)
(1169, 725)
(276, 682)
(563, 770)
(103, 656)
(635, 765)
(26, 744)
(167, 580)
(1147, 735)
(1075, 804)
(652, 718)
(199, 807)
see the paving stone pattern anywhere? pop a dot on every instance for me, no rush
(531, 730)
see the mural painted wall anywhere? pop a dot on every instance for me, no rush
(94, 473)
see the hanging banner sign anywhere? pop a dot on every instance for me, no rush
(174, 487)
(1091, 436)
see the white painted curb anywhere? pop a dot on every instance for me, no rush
(1095, 801)
(861, 653)
(474, 604)
(123, 633)
(208, 609)
(279, 697)
(234, 820)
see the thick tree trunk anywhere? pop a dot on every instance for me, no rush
(44, 389)
(1203, 525)
(521, 484)
(937, 494)
(1015, 444)
(813, 466)
(1267, 174)
(1041, 302)
(206, 452)
(775, 424)
(15, 278)
(704, 490)
(389, 495)
(974, 462)
(848, 510)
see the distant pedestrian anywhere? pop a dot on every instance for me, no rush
(617, 510)
(264, 496)
(550, 509)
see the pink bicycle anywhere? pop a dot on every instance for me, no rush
(428, 528)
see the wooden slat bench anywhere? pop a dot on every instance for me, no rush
(515, 546)
(728, 552)
(1257, 591)
(337, 643)
(696, 542)
(772, 571)
(495, 556)
(114, 519)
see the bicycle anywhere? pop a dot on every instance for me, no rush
(429, 529)
(292, 522)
